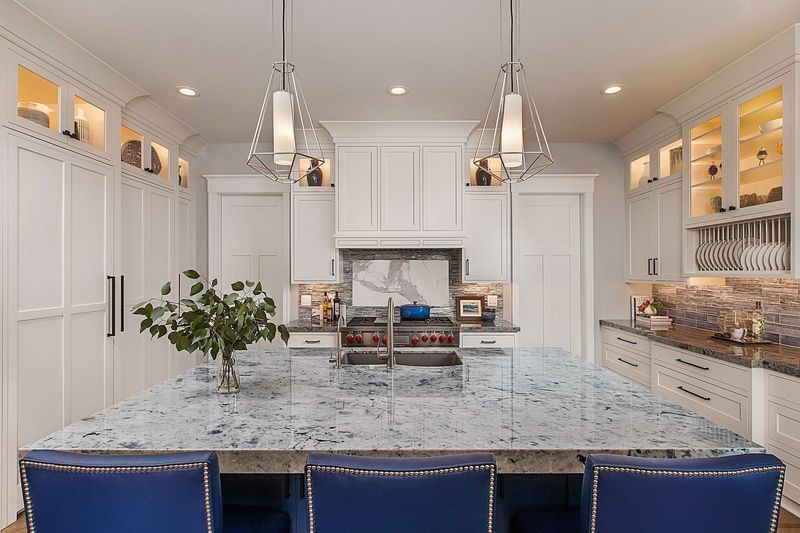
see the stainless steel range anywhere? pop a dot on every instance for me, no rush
(369, 332)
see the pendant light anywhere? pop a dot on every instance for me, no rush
(284, 99)
(512, 145)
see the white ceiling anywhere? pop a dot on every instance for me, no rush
(446, 51)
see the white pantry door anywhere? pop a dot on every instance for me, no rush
(254, 243)
(547, 271)
(60, 255)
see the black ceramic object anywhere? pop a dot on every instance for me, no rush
(314, 178)
(483, 178)
(488, 315)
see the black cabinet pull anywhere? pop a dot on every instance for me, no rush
(731, 208)
(332, 267)
(692, 364)
(687, 391)
(649, 181)
(626, 340)
(113, 305)
(655, 266)
(67, 133)
(312, 341)
(655, 178)
(467, 267)
(650, 267)
(488, 342)
(122, 303)
(626, 362)
(722, 209)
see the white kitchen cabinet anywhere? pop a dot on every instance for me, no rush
(442, 177)
(314, 256)
(488, 340)
(399, 188)
(58, 252)
(356, 188)
(148, 154)
(312, 340)
(52, 107)
(486, 253)
(654, 229)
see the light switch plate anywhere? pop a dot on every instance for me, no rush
(491, 300)
(305, 300)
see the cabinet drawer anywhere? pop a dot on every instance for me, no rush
(627, 341)
(725, 375)
(783, 388)
(496, 340)
(783, 427)
(399, 243)
(630, 364)
(791, 485)
(724, 407)
(312, 340)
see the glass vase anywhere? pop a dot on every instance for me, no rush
(227, 375)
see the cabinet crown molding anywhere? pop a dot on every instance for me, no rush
(417, 131)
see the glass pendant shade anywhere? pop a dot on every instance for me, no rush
(512, 137)
(282, 128)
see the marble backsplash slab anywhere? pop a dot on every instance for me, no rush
(700, 306)
(345, 288)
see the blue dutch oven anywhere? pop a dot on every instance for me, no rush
(415, 312)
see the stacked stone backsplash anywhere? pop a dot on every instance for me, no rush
(345, 288)
(700, 306)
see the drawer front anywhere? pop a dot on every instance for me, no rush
(726, 408)
(791, 485)
(629, 364)
(783, 426)
(497, 340)
(400, 243)
(312, 340)
(628, 341)
(725, 375)
(784, 388)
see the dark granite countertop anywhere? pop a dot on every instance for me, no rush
(499, 326)
(777, 357)
(310, 326)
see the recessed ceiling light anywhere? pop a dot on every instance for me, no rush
(397, 90)
(188, 91)
(612, 89)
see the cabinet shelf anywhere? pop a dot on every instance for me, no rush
(764, 138)
(711, 137)
(761, 114)
(715, 183)
(767, 171)
(708, 158)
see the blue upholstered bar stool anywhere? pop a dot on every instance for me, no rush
(399, 495)
(137, 493)
(620, 494)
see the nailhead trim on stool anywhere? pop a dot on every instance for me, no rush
(678, 473)
(388, 473)
(24, 465)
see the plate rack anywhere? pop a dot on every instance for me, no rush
(753, 246)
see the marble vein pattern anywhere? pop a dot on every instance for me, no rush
(537, 410)
(776, 357)
(424, 281)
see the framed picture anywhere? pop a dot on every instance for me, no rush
(469, 308)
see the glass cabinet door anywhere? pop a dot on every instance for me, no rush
(89, 123)
(639, 174)
(183, 173)
(159, 160)
(130, 151)
(670, 159)
(706, 190)
(38, 99)
(761, 149)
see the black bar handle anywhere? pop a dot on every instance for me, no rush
(650, 267)
(121, 304)
(626, 340)
(312, 341)
(488, 342)
(626, 362)
(692, 364)
(687, 391)
(113, 307)
(655, 266)
(333, 271)
(467, 267)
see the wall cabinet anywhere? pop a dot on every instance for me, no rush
(314, 256)
(145, 153)
(52, 107)
(654, 165)
(406, 196)
(486, 252)
(653, 245)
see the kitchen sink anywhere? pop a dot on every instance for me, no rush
(404, 359)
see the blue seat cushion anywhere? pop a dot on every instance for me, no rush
(546, 521)
(253, 519)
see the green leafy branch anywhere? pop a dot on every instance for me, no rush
(209, 320)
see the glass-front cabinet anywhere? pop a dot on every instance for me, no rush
(660, 163)
(183, 173)
(47, 104)
(639, 174)
(761, 138)
(155, 160)
(706, 177)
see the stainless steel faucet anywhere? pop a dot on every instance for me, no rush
(389, 335)
(336, 356)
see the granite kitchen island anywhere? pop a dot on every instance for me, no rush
(537, 410)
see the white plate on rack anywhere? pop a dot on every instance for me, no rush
(761, 258)
(747, 255)
(775, 256)
(712, 264)
(718, 255)
(722, 253)
(702, 260)
(735, 254)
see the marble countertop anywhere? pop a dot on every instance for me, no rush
(498, 326)
(777, 357)
(537, 410)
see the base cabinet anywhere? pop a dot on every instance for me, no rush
(312, 340)
(488, 340)
(783, 428)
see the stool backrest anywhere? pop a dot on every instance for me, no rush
(65, 491)
(738, 493)
(392, 495)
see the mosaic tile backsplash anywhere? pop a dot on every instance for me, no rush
(345, 288)
(700, 306)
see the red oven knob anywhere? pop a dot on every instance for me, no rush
(375, 339)
(349, 339)
(359, 338)
(385, 340)
(424, 338)
(414, 341)
(451, 339)
(442, 338)
(434, 338)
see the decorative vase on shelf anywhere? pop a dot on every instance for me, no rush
(483, 178)
(675, 160)
(227, 374)
(713, 170)
(314, 178)
(645, 173)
